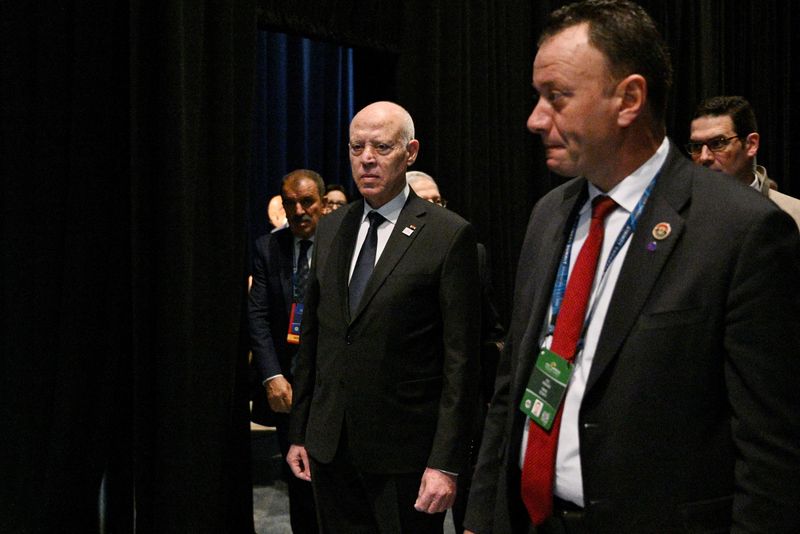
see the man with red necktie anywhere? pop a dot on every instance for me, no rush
(648, 381)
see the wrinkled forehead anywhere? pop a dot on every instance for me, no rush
(375, 125)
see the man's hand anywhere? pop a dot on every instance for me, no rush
(437, 492)
(279, 394)
(297, 458)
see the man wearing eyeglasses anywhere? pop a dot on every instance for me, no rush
(335, 197)
(387, 372)
(724, 137)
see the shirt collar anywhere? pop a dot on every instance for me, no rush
(296, 240)
(628, 192)
(391, 210)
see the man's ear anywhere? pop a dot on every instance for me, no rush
(751, 144)
(632, 91)
(413, 149)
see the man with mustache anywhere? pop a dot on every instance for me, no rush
(280, 276)
(386, 381)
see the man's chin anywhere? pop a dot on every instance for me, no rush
(557, 167)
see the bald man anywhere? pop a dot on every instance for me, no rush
(386, 379)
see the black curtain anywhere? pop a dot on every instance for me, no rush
(66, 259)
(464, 75)
(192, 72)
(126, 135)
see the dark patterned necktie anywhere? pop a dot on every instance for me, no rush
(301, 275)
(365, 262)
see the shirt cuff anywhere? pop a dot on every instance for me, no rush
(264, 383)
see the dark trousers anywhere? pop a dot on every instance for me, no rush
(302, 509)
(350, 501)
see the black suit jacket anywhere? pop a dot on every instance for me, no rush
(401, 374)
(268, 311)
(690, 421)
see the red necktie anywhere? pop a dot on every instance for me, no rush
(538, 470)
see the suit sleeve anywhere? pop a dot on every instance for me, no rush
(265, 357)
(762, 342)
(459, 302)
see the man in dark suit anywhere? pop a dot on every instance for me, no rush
(386, 381)
(280, 275)
(674, 300)
(492, 333)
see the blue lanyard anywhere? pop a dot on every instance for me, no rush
(563, 268)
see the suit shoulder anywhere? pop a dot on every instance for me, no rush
(438, 215)
(330, 222)
(568, 191)
(713, 201)
(725, 197)
(279, 238)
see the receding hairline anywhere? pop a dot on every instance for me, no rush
(386, 109)
(303, 174)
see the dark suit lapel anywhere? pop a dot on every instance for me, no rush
(643, 266)
(408, 227)
(345, 244)
(550, 240)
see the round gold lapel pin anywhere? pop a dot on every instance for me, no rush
(661, 230)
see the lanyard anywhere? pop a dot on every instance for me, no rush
(563, 268)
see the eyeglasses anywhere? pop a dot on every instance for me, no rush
(440, 202)
(382, 149)
(718, 144)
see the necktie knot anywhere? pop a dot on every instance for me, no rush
(305, 244)
(602, 206)
(375, 219)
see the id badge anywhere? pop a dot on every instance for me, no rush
(546, 388)
(295, 317)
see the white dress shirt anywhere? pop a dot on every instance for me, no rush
(568, 478)
(390, 211)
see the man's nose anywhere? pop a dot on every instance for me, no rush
(706, 157)
(538, 120)
(368, 155)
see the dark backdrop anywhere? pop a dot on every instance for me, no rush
(126, 136)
